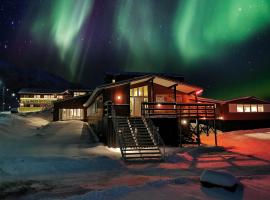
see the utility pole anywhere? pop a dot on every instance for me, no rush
(3, 98)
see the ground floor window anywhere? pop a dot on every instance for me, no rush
(250, 108)
(66, 114)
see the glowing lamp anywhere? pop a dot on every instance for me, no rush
(199, 92)
(221, 118)
(119, 97)
(159, 105)
(184, 122)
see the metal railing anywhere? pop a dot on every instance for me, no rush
(118, 131)
(154, 132)
(183, 110)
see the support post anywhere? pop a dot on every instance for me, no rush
(198, 131)
(174, 93)
(3, 98)
(180, 132)
(215, 128)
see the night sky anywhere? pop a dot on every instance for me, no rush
(221, 45)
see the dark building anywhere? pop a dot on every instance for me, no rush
(71, 108)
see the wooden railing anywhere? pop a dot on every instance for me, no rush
(183, 110)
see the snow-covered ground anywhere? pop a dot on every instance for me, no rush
(40, 159)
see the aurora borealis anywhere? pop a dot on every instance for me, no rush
(221, 45)
(218, 27)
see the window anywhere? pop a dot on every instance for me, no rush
(250, 108)
(145, 91)
(260, 108)
(240, 108)
(254, 108)
(141, 91)
(78, 93)
(246, 107)
(135, 92)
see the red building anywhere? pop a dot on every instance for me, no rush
(241, 113)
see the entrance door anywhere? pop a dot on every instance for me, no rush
(137, 106)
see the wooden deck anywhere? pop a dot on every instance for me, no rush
(198, 111)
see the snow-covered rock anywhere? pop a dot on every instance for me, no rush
(218, 178)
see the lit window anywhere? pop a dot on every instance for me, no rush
(135, 92)
(246, 108)
(140, 91)
(145, 91)
(254, 108)
(260, 108)
(240, 108)
(131, 92)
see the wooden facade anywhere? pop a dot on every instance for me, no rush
(130, 97)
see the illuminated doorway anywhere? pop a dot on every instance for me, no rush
(137, 96)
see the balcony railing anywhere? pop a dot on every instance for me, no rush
(182, 110)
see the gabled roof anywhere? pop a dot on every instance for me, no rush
(166, 82)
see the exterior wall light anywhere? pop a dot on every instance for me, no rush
(184, 122)
(119, 97)
(221, 118)
(159, 105)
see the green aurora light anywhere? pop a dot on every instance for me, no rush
(62, 27)
(207, 28)
(136, 26)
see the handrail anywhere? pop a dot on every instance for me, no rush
(154, 131)
(118, 132)
(191, 110)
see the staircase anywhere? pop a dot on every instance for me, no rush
(137, 139)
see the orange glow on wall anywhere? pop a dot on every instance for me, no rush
(118, 98)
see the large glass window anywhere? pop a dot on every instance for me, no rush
(240, 108)
(246, 107)
(253, 107)
(260, 108)
(250, 108)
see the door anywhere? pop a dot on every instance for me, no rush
(137, 106)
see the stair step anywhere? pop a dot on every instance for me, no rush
(144, 158)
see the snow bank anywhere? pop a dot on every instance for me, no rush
(218, 178)
(261, 136)
(31, 166)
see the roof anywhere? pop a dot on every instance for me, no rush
(77, 90)
(208, 100)
(39, 91)
(166, 82)
(81, 98)
(50, 91)
(247, 99)
(129, 75)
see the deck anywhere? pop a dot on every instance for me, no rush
(200, 111)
